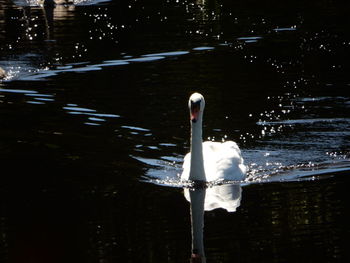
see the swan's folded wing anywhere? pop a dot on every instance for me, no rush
(223, 161)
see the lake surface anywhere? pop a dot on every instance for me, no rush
(94, 128)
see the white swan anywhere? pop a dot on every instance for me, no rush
(210, 161)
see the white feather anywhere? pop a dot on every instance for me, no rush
(222, 161)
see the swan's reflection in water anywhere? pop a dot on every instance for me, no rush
(227, 196)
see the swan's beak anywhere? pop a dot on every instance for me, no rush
(194, 111)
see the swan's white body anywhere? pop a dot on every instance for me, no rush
(210, 161)
(222, 161)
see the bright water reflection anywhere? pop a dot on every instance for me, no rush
(225, 196)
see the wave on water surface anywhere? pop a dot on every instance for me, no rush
(263, 167)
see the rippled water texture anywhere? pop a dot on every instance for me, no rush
(94, 128)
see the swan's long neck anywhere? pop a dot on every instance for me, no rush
(197, 172)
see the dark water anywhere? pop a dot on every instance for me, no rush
(94, 126)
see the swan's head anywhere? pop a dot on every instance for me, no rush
(196, 105)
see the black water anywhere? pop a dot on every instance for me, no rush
(94, 126)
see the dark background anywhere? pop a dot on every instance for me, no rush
(71, 188)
